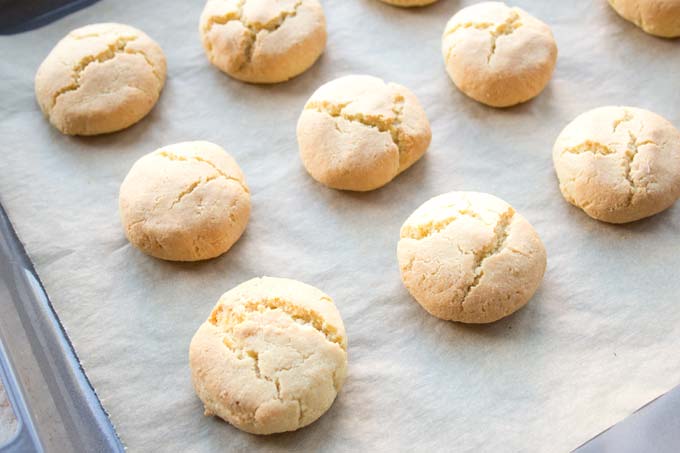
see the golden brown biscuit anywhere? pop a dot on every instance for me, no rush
(619, 164)
(185, 202)
(271, 357)
(100, 78)
(358, 132)
(497, 55)
(263, 41)
(469, 257)
(656, 17)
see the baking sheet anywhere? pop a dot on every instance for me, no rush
(599, 340)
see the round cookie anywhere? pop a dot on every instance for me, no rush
(619, 164)
(185, 202)
(358, 132)
(469, 257)
(263, 41)
(656, 17)
(497, 55)
(408, 3)
(100, 78)
(271, 357)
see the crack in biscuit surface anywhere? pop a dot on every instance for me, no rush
(177, 157)
(505, 28)
(228, 317)
(590, 146)
(395, 129)
(192, 187)
(379, 122)
(252, 28)
(629, 158)
(508, 27)
(495, 246)
(110, 53)
(627, 116)
(426, 230)
(638, 181)
(476, 270)
(628, 155)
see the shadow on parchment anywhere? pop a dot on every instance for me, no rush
(621, 231)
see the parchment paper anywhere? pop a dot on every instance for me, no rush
(599, 339)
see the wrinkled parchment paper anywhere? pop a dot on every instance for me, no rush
(599, 339)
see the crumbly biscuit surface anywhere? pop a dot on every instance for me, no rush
(185, 202)
(358, 132)
(100, 78)
(619, 164)
(271, 357)
(498, 55)
(469, 257)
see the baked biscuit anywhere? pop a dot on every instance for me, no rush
(358, 132)
(100, 78)
(619, 164)
(271, 357)
(185, 202)
(497, 55)
(469, 257)
(263, 41)
(656, 17)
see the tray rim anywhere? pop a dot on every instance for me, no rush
(28, 293)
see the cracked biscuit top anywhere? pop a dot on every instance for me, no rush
(358, 132)
(271, 357)
(263, 41)
(619, 164)
(469, 257)
(185, 202)
(497, 55)
(100, 78)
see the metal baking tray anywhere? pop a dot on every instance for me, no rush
(23, 15)
(55, 405)
(56, 408)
